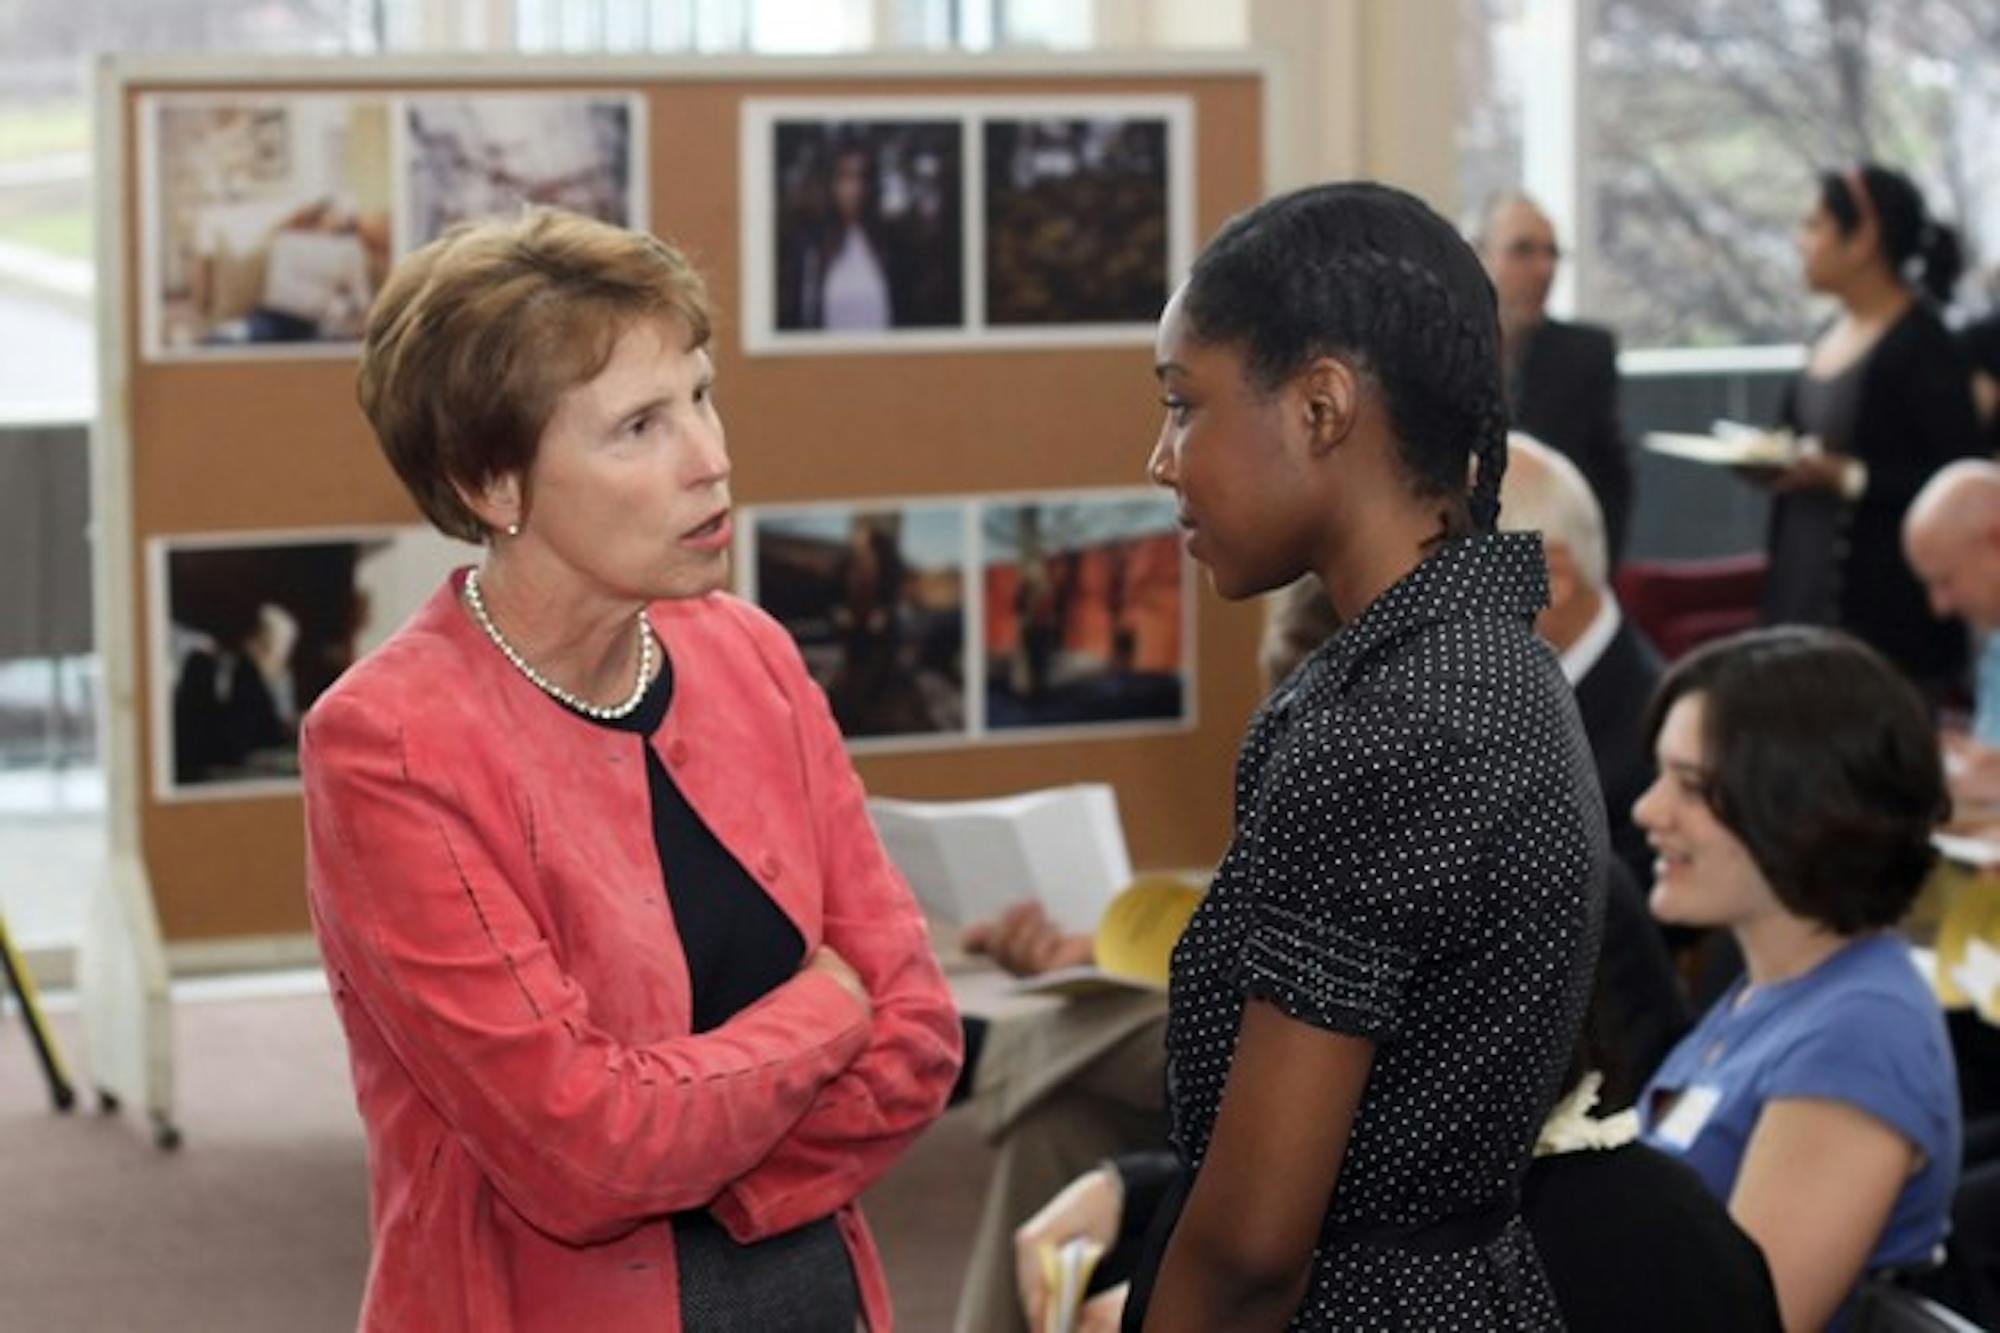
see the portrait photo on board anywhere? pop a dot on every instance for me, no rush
(266, 222)
(875, 597)
(867, 227)
(491, 155)
(250, 630)
(1079, 223)
(1085, 612)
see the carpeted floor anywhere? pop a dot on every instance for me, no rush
(259, 1223)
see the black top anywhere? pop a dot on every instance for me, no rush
(1563, 390)
(1418, 859)
(1912, 414)
(1633, 1242)
(1809, 528)
(740, 946)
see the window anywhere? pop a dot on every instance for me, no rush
(1491, 52)
(1711, 120)
(48, 355)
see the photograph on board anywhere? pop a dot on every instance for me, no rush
(868, 226)
(490, 155)
(1079, 222)
(267, 221)
(875, 597)
(1084, 612)
(250, 631)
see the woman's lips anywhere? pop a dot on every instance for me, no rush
(711, 535)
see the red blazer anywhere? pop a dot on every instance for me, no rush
(483, 880)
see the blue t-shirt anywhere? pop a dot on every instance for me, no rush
(1860, 1028)
(1986, 692)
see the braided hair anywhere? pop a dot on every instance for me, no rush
(1911, 237)
(1370, 275)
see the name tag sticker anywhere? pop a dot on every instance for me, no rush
(1684, 1123)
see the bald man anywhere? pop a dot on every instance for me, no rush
(1562, 378)
(1951, 538)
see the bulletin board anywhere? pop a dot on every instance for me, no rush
(232, 436)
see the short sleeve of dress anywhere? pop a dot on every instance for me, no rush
(1370, 813)
(1862, 1052)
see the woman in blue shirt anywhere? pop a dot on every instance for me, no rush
(1798, 786)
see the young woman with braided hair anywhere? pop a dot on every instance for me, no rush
(1373, 1009)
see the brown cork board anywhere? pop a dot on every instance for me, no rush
(246, 445)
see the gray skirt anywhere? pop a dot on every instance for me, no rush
(801, 1280)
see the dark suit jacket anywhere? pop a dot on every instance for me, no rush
(1643, 1012)
(1564, 392)
(1612, 697)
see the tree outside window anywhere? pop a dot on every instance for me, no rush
(1713, 119)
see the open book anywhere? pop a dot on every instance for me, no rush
(971, 860)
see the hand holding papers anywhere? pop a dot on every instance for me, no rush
(1066, 1270)
(1056, 1250)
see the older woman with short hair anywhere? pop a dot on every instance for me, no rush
(1798, 786)
(635, 1004)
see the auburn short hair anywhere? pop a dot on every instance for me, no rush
(477, 336)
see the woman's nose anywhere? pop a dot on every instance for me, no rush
(1645, 810)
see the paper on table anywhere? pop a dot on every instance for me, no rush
(1967, 849)
(970, 860)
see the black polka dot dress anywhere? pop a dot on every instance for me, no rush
(1418, 859)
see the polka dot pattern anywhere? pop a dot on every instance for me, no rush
(1418, 859)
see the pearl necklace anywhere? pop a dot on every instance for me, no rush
(603, 713)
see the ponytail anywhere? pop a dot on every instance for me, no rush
(1942, 260)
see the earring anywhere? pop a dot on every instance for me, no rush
(513, 529)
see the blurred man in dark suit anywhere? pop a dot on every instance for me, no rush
(1613, 671)
(1562, 378)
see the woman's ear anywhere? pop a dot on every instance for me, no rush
(1330, 397)
(496, 502)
